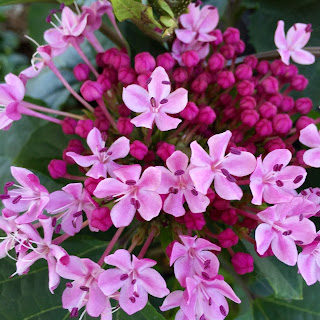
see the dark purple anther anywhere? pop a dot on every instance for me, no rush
(84, 288)
(9, 184)
(317, 214)
(134, 281)
(275, 167)
(301, 217)
(16, 199)
(295, 27)
(153, 102)
(317, 238)
(299, 242)
(109, 153)
(287, 233)
(62, 5)
(54, 222)
(69, 285)
(166, 82)
(131, 182)
(203, 317)
(124, 277)
(311, 190)
(279, 183)
(317, 193)
(304, 193)
(205, 276)
(48, 19)
(207, 264)
(298, 179)
(148, 80)
(53, 11)
(309, 27)
(137, 205)
(74, 312)
(223, 311)
(132, 299)
(163, 101)
(133, 201)
(179, 173)
(4, 196)
(210, 301)
(74, 223)
(225, 172)
(235, 151)
(194, 192)
(103, 149)
(58, 228)
(211, 8)
(136, 294)
(231, 178)
(77, 214)
(175, 191)
(280, 167)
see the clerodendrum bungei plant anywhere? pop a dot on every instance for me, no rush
(196, 149)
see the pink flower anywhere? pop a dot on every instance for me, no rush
(198, 23)
(177, 182)
(273, 180)
(156, 102)
(135, 194)
(29, 197)
(135, 278)
(313, 195)
(309, 262)
(220, 168)
(292, 44)
(11, 95)
(71, 202)
(193, 257)
(310, 137)
(102, 159)
(84, 289)
(283, 226)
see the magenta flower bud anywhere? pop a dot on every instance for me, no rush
(226, 79)
(243, 72)
(303, 122)
(211, 195)
(229, 217)
(242, 263)
(81, 72)
(111, 75)
(281, 123)
(102, 124)
(299, 157)
(251, 61)
(166, 61)
(239, 47)
(84, 127)
(98, 112)
(230, 112)
(138, 150)
(91, 184)
(225, 99)
(221, 204)
(74, 145)
(299, 82)
(276, 99)
(57, 168)
(263, 67)
(278, 68)
(190, 58)
(143, 80)
(206, 115)
(303, 105)
(216, 62)
(249, 223)
(121, 60)
(190, 111)
(126, 75)
(274, 144)
(228, 51)
(245, 88)
(247, 103)
(169, 248)
(104, 83)
(237, 135)
(264, 128)
(228, 238)
(101, 219)
(249, 117)
(165, 150)
(144, 62)
(251, 147)
(125, 126)
(91, 90)
(123, 110)
(180, 75)
(194, 221)
(199, 84)
(231, 35)
(99, 59)
(270, 85)
(268, 110)
(291, 71)
(109, 56)
(69, 125)
(219, 38)
(287, 104)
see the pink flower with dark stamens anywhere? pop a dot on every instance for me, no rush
(135, 193)
(285, 225)
(313, 195)
(198, 23)
(71, 202)
(84, 289)
(177, 182)
(135, 278)
(273, 180)
(102, 158)
(29, 196)
(292, 44)
(156, 102)
(193, 257)
(220, 168)
(310, 137)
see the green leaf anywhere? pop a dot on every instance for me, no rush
(148, 313)
(127, 9)
(10, 2)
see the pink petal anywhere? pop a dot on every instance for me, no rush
(178, 250)
(188, 19)
(123, 212)
(308, 268)
(208, 19)
(183, 269)
(218, 144)
(177, 101)
(110, 187)
(153, 283)
(70, 225)
(72, 296)
(310, 137)
(205, 37)
(202, 178)
(98, 170)
(18, 88)
(285, 55)
(199, 157)
(75, 189)
(172, 301)
(226, 189)
(120, 148)
(12, 111)
(58, 200)
(5, 122)
(28, 260)
(288, 174)
(198, 203)
(150, 179)
(157, 89)
(150, 204)
(213, 268)
(312, 157)
(145, 120)
(48, 229)
(109, 281)
(130, 172)
(142, 264)
(120, 259)
(83, 161)
(284, 249)
(279, 36)
(264, 235)
(278, 156)
(54, 278)
(239, 165)
(224, 289)
(174, 204)
(273, 194)
(136, 98)
(185, 35)
(256, 188)
(177, 161)
(302, 56)
(96, 302)
(54, 37)
(297, 37)
(258, 172)
(94, 141)
(107, 312)
(165, 122)
(21, 175)
(168, 180)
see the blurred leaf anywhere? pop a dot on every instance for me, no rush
(148, 313)
(10, 2)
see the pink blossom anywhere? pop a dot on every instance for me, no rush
(310, 137)
(102, 158)
(29, 197)
(220, 168)
(177, 182)
(283, 226)
(273, 180)
(193, 257)
(198, 23)
(313, 195)
(292, 44)
(84, 289)
(71, 202)
(156, 102)
(135, 193)
(135, 278)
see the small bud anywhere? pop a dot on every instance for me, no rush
(270, 85)
(206, 115)
(190, 58)
(243, 72)
(144, 62)
(69, 125)
(268, 110)
(240, 47)
(226, 79)
(190, 111)
(228, 51)
(104, 82)
(91, 90)
(247, 103)
(124, 126)
(120, 60)
(101, 219)
(57, 168)
(138, 150)
(276, 99)
(245, 88)
(264, 128)
(249, 117)
(287, 104)
(228, 238)
(242, 263)
(299, 82)
(263, 67)
(123, 110)
(229, 217)
(126, 75)
(278, 68)
(81, 72)
(111, 75)
(84, 127)
(282, 123)
(143, 80)
(251, 61)
(299, 157)
(216, 62)
(165, 150)
(218, 35)
(274, 144)
(166, 61)
(303, 122)
(231, 35)
(194, 221)
(303, 105)
(91, 184)
(180, 75)
(200, 84)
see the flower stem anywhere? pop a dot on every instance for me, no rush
(106, 113)
(35, 114)
(65, 236)
(147, 243)
(72, 177)
(93, 40)
(247, 214)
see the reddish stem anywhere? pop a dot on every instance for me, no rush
(147, 243)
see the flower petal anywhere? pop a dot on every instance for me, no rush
(123, 212)
(264, 235)
(209, 18)
(150, 204)
(297, 36)
(177, 161)
(150, 179)
(172, 300)
(186, 36)
(110, 187)
(97, 300)
(312, 157)
(218, 144)
(109, 281)
(94, 141)
(308, 268)
(310, 137)
(144, 120)
(174, 204)
(153, 283)
(120, 148)
(120, 259)
(279, 36)
(278, 156)
(239, 165)
(165, 122)
(136, 98)
(157, 89)
(226, 189)
(284, 249)
(197, 202)
(177, 101)
(303, 57)
(83, 161)
(202, 178)
(199, 157)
